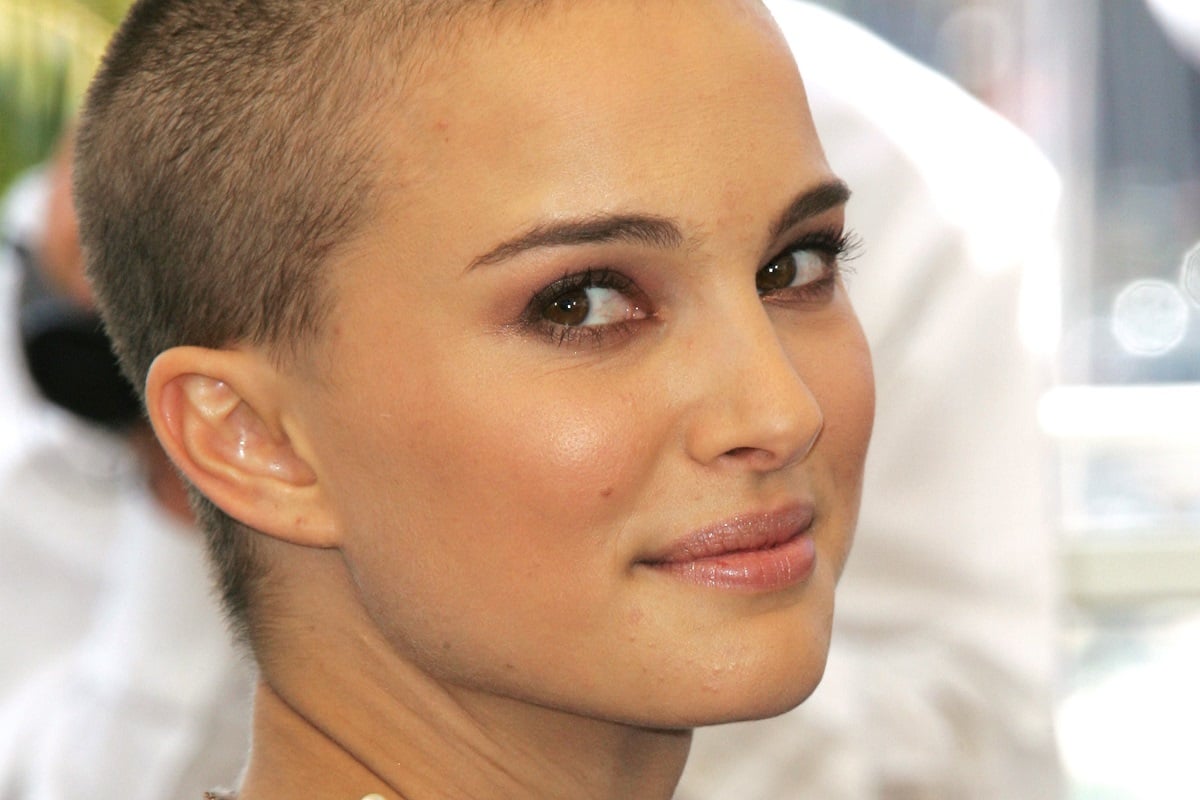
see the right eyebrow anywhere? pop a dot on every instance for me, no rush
(821, 198)
(654, 231)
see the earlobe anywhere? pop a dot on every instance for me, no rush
(217, 414)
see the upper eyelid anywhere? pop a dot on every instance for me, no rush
(832, 237)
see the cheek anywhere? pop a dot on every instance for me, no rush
(850, 409)
(836, 366)
(481, 498)
(553, 453)
(841, 378)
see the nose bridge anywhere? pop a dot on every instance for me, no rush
(755, 406)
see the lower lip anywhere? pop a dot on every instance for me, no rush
(768, 569)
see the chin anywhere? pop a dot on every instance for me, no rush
(758, 679)
(763, 693)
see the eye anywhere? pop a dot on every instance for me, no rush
(793, 268)
(807, 268)
(591, 305)
(594, 303)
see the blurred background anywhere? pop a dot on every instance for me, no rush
(1110, 89)
(48, 51)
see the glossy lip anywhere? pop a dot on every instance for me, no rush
(749, 552)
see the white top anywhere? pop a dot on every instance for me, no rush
(940, 677)
(153, 702)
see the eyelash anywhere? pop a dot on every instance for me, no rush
(833, 245)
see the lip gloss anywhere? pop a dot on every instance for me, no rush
(753, 552)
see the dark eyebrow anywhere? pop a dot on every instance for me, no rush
(658, 232)
(647, 229)
(810, 203)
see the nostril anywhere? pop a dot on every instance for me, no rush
(741, 452)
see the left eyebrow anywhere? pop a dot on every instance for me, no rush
(647, 229)
(658, 232)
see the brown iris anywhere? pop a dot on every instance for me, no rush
(570, 308)
(779, 274)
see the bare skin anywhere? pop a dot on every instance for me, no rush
(430, 742)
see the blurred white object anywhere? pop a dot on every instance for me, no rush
(1130, 724)
(1150, 317)
(1181, 20)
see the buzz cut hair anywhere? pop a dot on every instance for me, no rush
(226, 149)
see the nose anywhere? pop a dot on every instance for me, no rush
(754, 408)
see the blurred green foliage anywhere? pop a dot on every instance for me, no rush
(48, 51)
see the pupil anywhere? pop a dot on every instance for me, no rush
(569, 309)
(776, 275)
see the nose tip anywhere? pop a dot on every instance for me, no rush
(778, 448)
(759, 413)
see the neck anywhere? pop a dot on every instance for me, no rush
(346, 716)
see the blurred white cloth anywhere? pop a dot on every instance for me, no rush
(117, 677)
(941, 674)
(153, 702)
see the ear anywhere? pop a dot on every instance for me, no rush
(218, 416)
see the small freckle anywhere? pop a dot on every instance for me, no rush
(446, 646)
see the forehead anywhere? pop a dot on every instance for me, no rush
(597, 107)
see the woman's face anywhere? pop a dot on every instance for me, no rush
(593, 404)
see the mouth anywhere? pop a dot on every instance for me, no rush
(751, 552)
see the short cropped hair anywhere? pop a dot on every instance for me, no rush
(225, 151)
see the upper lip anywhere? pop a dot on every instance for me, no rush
(737, 534)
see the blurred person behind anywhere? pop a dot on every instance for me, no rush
(942, 670)
(118, 679)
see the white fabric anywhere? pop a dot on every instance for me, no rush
(117, 678)
(940, 678)
(153, 703)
